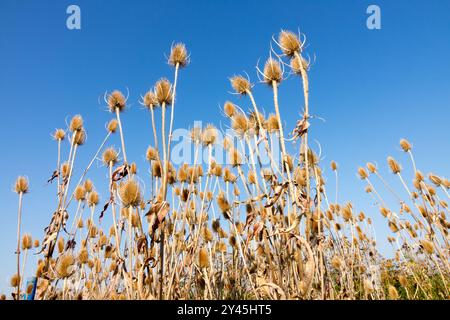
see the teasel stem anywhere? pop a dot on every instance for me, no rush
(23, 267)
(412, 160)
(113, 209)
(58, 168)
(305, 117)
(283, 146)
(19, 220)
(177, 66)
(155, 136)
(66, 190)
(121, 135)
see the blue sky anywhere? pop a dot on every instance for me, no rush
(372, 87)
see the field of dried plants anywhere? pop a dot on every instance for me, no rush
(236, 229)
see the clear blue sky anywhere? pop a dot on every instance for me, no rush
(371, 87)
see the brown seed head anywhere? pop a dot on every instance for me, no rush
(229, 108)
(405, 145)
(241, 85)
(150, 100)
(112, 125)
(152, 154)
(116, 101)
(394, 165)
(299, 65)
(59, 134)
(109, 156)
(272, 72)
(76, 123)
(80, 193)
(209, 135)
(129, 193)
(178, 55)
(21, 185)
(27, 242)
(93, 199)
(79, 137)
(289, 43)
(203, 259)
(333, 165)
(163, 91)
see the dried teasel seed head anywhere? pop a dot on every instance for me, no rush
(209, 135)
(393, 294)
(272, 72)
(60, 244)
(64, 265)
(15, 280)
(371, 167)
(336, 262)
(427, 246)
(178, 55)
(163, 92)
(240, 124)
(362, 173)
(229, 109)
(435, 179)
(93, 199)
(223, 204)
(59, 134)
(133, 168)
(150, 100)
(289, 43)
(235, 157)
(203, 259)
(156, 169)
(272, 123)
(79, 137)
(27, 242)
(88, 185)
(241, 85)
(129, 193)
(21, 185)
(152, 154)
(333, 165)
(116, 101)
(394, 165)
(76, 123)
(112, 125)
(110, 156)
(299, 65)
(80, 193)
(405, 145)
(65, 168)
(36, 243)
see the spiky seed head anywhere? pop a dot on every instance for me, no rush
(362, 173)
(60, 244)
(163, 91)
(251, 177)
(347, 212)
(207, 234)
(241, 85)
(272, 123)
(80, 224)
(79, 193)
(83, 256)
(402, 280)
(109, 156)
(156, 169)
(88, 185)
(435, 179)
(27, 242)
(393, 294)
(394, 165)
(336, 262)
(333, 165)
(65, 168)
(203, 259)
(93, 199)
(235, 157)
(289, 43)
(76, 123)
(209, 135)
(150, 100)
(240, 124)
(116, 101)
(152, 154)
(371, 167)
(65, 265)
(79, 137)
(229, 108)
(216, 225)
(178, 55)
(222, 202)
(405, 145)
(427, 246)
(36, 243)
(299, 65)
(272, 71)
(129, 193)
(133, 168)
(21, 185)
(15, 280)
(112, 126)
(59, 135)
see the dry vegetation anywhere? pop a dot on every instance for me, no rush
(239, 230)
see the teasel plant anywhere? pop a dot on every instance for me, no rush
(259, 225)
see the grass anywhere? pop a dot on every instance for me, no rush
(233, 230)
